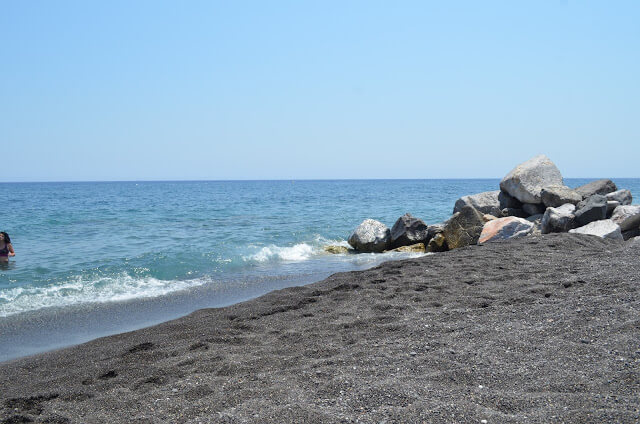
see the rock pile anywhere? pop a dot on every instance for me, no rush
(532, 199)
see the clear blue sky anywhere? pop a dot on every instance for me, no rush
(147, 90)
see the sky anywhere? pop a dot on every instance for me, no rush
(208, 90)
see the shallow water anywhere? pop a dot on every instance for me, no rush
(84, 247)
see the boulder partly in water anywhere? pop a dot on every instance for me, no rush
(408, 230)
(414, 248)
(370, 236)
(336, 249)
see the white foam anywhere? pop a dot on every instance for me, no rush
(79, 291)
(295, 253)
(305, 251)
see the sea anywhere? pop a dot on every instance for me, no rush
(99, 258)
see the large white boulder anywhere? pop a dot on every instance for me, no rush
(605, 228)
(370, 236)
(526, 181)
(627, 216)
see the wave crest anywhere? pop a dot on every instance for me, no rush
(81, 290)
(295, 253)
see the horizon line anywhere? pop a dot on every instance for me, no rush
(281, 179)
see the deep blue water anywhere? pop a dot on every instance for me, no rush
(91, 246)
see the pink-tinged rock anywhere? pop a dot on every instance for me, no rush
(505, 228)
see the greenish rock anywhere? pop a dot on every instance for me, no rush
(414, 248)
(463, 228)
(437, 244)
(336, 250)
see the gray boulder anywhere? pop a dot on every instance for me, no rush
(407, 231)
(486, 202)
(463, 228)
(526, 181)
(558, 220)
(593, 208)
(507, 201)
(604, 229)
(624, 197)
(627, 217)
(555, 196)
(370, 236)
(533, 209)
(505, 228)
(596, 187)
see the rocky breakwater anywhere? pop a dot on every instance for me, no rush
(532, 199)
(535, 190)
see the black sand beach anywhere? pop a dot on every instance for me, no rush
(539, 329)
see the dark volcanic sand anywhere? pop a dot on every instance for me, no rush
(542, 329)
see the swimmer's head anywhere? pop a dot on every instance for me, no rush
(4, 236)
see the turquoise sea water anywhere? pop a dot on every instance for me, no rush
(162, 249)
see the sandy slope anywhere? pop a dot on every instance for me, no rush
(542, 329)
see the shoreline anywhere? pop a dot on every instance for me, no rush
(38, 331)
(535, 329)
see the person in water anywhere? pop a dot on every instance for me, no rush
(6, 249)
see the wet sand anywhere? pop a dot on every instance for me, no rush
(542, 329)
